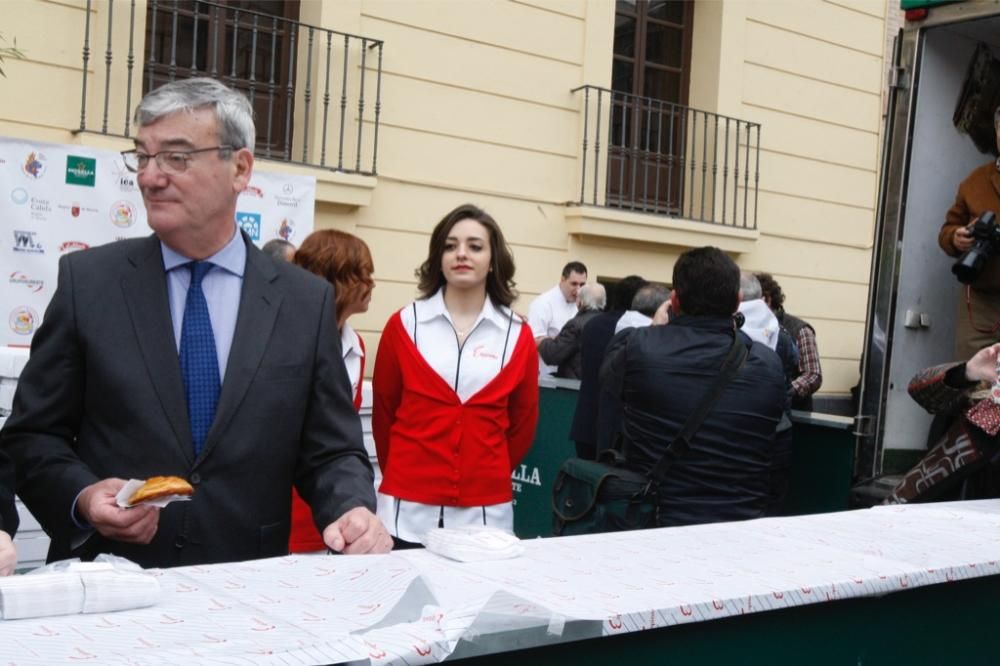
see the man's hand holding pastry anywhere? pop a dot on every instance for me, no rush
(98, 507)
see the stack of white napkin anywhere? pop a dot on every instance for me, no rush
(77, 587)
(473, 544)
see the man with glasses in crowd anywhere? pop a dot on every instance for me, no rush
(190, 353)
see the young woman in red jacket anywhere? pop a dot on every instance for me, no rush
(344, 261)
(455, 387)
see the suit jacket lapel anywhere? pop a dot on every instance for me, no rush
(259, 304)
(145, 291)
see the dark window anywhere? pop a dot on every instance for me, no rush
(244, 43)
(650, 75)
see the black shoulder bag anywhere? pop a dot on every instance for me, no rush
(591, 496)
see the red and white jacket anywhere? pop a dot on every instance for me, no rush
(435, 449)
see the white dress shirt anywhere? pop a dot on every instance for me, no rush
(547, 314)
(353, 353)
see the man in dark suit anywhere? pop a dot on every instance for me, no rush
(592, 416)
(8, 517)
(190, 353)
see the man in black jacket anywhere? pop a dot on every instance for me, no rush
(663, 373)
(591, 406)
(8, 517)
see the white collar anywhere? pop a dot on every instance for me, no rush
(429, 308)
(350, 342)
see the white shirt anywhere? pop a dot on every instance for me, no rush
(632, 319)
(467, 368)
(353, 353)
(761, 324)
(547, 314)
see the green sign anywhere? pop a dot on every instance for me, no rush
(80, 170)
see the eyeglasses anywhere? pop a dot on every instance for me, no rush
(169, 161)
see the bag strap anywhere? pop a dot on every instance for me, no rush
(738, 353)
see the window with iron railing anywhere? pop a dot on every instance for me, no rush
(249, 50)
(316, 92)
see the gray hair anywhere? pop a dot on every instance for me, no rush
(277, 248)
(592, 296)
(750, 289)
(648, 299)
(232, 109)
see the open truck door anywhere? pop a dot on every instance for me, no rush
(913, 296)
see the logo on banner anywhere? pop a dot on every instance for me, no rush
(253, 191)
(250, 223)
(122, 214)
(126, 180)
(286, 229)
(40, 209)
(23, 320)
(72, 246)
(19, 195)
(24, 241)
(34, 165)
(285, 198)
(34, 286)
(81, 170)
(76, 209)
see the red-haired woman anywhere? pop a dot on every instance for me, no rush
(456, 387)
(344, 261)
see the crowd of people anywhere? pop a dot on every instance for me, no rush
(192, 353)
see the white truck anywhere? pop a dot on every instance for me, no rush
(914, 296)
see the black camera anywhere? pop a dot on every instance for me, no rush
(986, 237)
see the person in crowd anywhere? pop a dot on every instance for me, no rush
(190, 353)
(663, 373)
(8, 517)
(761, 326)
(550, 311)
(979, 308)
(344, 261)
(961, 463)
(594, 340)
(809, 376)
(455, 387)
(758, 321)
(644, 305)
(279, 249)
(564, 349)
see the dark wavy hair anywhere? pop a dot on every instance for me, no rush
(343, 260)
(707, 282)
(771, 290)
(499, 281)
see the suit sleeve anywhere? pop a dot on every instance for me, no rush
(523, 406)
(333, 472)
(387, 391)
(560, 348)
(40, 433)
(8, 511)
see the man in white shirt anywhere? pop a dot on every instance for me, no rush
(552, 309)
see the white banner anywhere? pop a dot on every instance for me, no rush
(56, 199)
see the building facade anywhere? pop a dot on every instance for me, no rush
(615, 133)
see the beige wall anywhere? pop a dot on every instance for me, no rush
(476, 106)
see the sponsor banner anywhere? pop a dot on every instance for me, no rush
(57, 199)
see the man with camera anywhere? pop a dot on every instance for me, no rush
(970, 227)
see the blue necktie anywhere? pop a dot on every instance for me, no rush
(199, 364)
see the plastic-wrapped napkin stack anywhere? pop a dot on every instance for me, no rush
(71, 587)
(473, 544)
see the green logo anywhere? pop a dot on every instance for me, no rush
(80, 170)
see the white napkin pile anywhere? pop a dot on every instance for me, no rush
(79, 587)
(473, 544)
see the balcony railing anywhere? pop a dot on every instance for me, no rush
(316, 92)
(652, 156)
